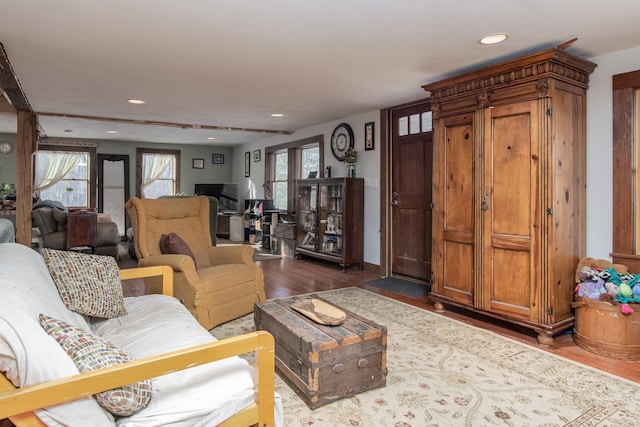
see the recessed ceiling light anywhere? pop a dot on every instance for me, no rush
(277, 115)
(211, 138)
(136, 101)
(68, 131)
(112, 131)
(494, 38)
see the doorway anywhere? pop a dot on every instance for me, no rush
(113, 188)
(408, 212)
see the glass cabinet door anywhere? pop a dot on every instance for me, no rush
(307, 200)
(331, 208)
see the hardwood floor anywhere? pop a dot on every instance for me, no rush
(288, 277)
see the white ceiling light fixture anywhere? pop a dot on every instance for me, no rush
(136, 101)
(112, 131)
(494, 38)
(211, 138)
(277, 115)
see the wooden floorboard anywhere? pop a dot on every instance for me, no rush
(288, 277)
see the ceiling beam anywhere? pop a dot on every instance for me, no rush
(168, 124)
(10, 84)
(5, 104)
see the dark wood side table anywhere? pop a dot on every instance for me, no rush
(82, 229)
(223, 229)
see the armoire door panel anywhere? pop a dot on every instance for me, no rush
(458, 272)
(510, 187)
(511, 286)
(458, 216)
(510, 242)
(458, 177)
(508, 222)
(458, 236)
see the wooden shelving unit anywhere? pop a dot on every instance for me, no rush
(330, 220)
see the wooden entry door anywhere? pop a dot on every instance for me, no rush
(411, 175)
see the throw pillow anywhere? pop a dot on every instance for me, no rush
(88, 284)
(173, 244)
(89, 353)
(61, 218)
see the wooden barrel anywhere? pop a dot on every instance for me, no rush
(601, 328)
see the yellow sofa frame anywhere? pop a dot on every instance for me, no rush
(18, 404)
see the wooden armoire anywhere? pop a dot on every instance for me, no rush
(509, 180)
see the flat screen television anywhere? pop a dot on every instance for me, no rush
(227, 195)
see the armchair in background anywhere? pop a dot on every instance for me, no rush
(52, 223)
(220, 283)
(213, 224)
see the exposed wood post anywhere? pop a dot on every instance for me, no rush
(26, 146)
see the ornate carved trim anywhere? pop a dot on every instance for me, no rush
(553, 63)
(483, 99)
(542, 87)
(435, 109)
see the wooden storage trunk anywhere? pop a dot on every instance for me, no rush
(602, 329)
(324, 363)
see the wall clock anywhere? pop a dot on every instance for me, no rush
(341, 140)
(5, 148)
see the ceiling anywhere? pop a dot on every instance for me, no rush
(208, 65)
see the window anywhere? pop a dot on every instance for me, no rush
(626, 161)
(157, 172)
(280, 180)
(310, 161)
(65, 174)
(289, 162)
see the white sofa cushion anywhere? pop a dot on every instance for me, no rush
(90, 353)
(29, 356)
(214, 391)
(26, 284)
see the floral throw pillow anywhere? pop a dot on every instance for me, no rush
(88, 284)
(89, 353)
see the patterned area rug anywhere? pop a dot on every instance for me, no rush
(446, 373)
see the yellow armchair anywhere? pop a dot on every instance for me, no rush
(226, 282)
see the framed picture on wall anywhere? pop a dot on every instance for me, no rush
(247, 164)
(217, 159)
(256, 156)
(369, 135)
(198, 163)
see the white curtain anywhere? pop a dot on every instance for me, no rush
(52, 166)
(153, 167)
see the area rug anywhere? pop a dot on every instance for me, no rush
(443, 372)
(401, 286)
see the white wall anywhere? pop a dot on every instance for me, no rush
(599, 159)
(599, 148)
(367, 167)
